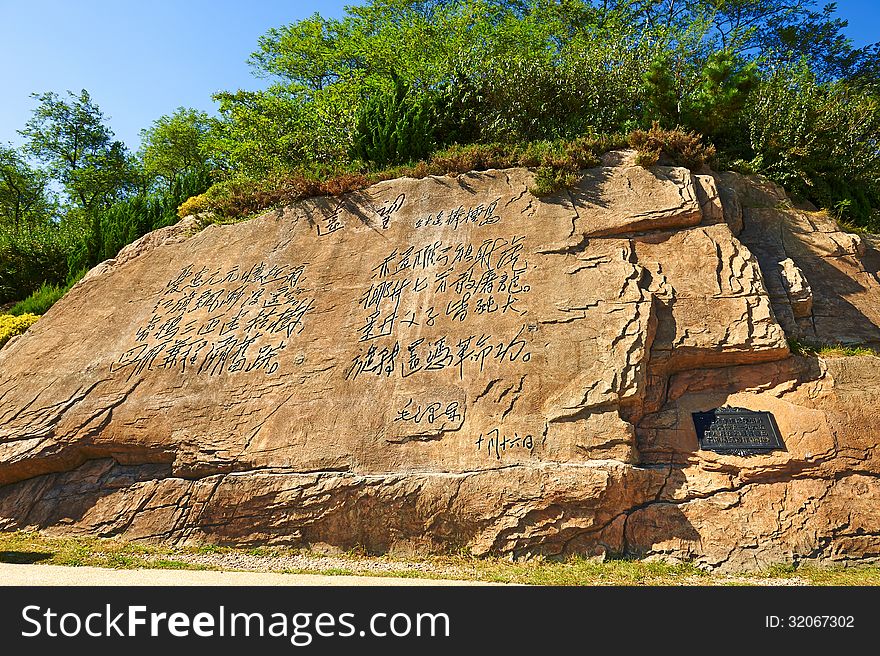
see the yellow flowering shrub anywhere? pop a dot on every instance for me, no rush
(11, 325)
(193, 205)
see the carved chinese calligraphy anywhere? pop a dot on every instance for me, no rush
(442, 284)
(222, 321)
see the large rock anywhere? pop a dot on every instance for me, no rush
(816, 499)
(453, 363)
(823, 282)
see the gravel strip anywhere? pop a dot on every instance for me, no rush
(378, 566)
(300, 562)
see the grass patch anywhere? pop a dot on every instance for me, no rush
(33, 547)
(39, 302)
(799, 347)
(868, 231)
(584, 571)
(839, 575)
(843, 350)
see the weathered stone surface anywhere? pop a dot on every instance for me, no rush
(709, 198)
(730, 204)
(840, 270)
(834, 520)
(800, 296)
(754, 191)
(628, 199)
(546, 509)
(452, 363)
(713, 308)
(782, 506)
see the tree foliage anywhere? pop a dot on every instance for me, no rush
(30, 258)
(25, 202)
(176, 144)
(395, 127)
(70, 137)
(117, 225)
(819, 140)
(525, 70)
(108, 199)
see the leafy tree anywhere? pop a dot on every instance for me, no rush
(70, 137)
(24, 197)
(109, 229)
(259, 132)
(709, 99)
(724, 87)
(502, 70)
(662, 94)
(176, 144)
(305, 54)
(109, 203)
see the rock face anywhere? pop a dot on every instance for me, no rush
(453, 363)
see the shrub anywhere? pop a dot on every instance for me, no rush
(549, 180)
(819, 141)
(571, 155)
(241, 197)
(474, 157)
(29, 258)
(46, 296)
(683, 148)
(40, 300)
(705, 95)
(194, 205)
(829, 350)
(558, 162)
(10, 326)
(395, 127)
(647, 158)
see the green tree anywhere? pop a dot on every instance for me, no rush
(176, 144)
(819, 140)
(663, 95)
(395, 127)
(306, 53)
(70, 137)
(392, 78)
(502, 70)
(24, 197)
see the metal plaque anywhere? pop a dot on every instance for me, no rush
(737, 431)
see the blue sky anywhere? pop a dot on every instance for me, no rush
(142, 59)
(139, 59)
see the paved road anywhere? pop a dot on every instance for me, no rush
(57, 575)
